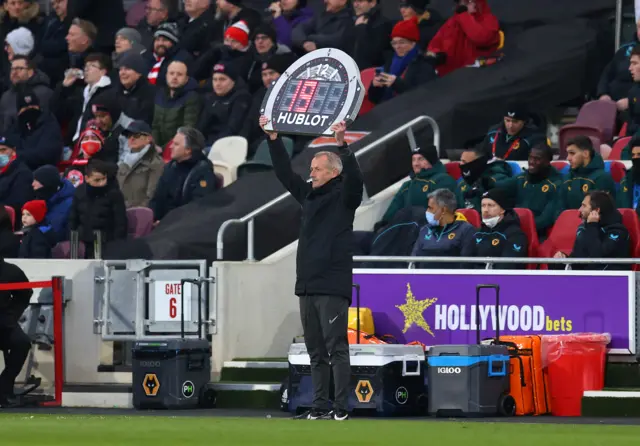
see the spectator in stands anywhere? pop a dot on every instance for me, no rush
(15, 176)
(37, 241)
(513, 138)
(615, 80)
(134, 92)
(446, 234)
(19, 42)
(23, 72)
(165, 51)
(141, 166)
(226, 108)
(478, 175)
(157, 13)
(428, 20)
(80, 42)
(406, 69)
(472, 32)
(197, 27)
(58, 193)
(178, 104)
(98, 205)
(537, 188)
(587, 174)
(264, 47)
(23, 14)
(128, 40)
(107, 114)
(428, 174)
(372, 34)
(37, 132)
(601, 234)
(287, 14)
(187, 177)
(231, 12)
(500, 234)
(91, 145)
(9, 242)
(107, 16)
(628, 196)
(53, 45)
(333, 28)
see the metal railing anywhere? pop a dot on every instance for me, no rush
(406, 128)
(618, 23)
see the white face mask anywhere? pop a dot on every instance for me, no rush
(431, 219)
(491, 222)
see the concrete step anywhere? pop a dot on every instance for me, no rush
(256, 364)
(254, 371)
(611, 403)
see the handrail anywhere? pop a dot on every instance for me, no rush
(618, 24)
(250, 217)
(491, 260)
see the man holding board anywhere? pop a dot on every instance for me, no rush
(324, 262)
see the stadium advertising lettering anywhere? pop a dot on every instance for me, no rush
(439, 307)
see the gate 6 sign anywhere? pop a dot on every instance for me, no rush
(318, 90)
(168, 297)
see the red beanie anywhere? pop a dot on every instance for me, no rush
(37, 209)
(407, 29)
(239, 32)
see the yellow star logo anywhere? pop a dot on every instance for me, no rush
(413, 309)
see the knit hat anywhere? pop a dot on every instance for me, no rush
(134, 61)
(500, 196)
(267, 30)
(227, 69)
(48, 176)
(237, 3)
(132, 35)
(517, 110)
(9, 140)
(107, 104)
(279, 62)
(21, 41)
(26, 97)
(239, 32)
(37, 209)
(406, 29)
(429, 152)
(168, 30)
(418, 6)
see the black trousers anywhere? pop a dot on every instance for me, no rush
(16, 346)
(325, 321)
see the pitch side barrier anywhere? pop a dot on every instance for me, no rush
(437, 306)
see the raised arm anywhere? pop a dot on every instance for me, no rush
(353, 181)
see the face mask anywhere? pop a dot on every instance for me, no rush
(4, 160)
(431, 219)
(473, 170)
(28, 118)
(635, 169)
(491, 222)
(90, 148)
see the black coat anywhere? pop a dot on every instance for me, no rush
(37, 242)
(54, 49)
(42, 145)
(506, 239)
(607, 239)
(419, 71)
(15, 186)
(12, 303)
(615, 80)
(196, 36)
(100, 209)
(324, 261)
(107, 15)
(138, 102)
(225, 115)
(326, 30)
(181, 183)
(372, 40)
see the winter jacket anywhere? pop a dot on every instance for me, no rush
(372, 39)
(37, 242)
(9, 242)
(327, 30)
(42, 145)
(284, 25)
(182, 183)
(470, 195)
(254, 72)
(39, 82)
(224, 116)
(506, 239)
(173, 54)
(98, 209)
(15, 185)
(196, 35)
(107, 16)
(12, 303)
(171, 113)
(583, 180)
(324, 260)
(138, 182)
(464, 37)
(607, 239)
(53, 48)
(452, 240)
(419, 72)
(415, 191)
(137, 102)
(203, 66)
(625, 194)
(615, 80)
(428, 23)
(538, 194)
(498, 143)
(58, 209)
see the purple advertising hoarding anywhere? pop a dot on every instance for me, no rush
(439, 307)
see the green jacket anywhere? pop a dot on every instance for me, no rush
(496, 171)
(582, 180)
(415, 191)
(624, 197)
(170, 113)
(540, 197)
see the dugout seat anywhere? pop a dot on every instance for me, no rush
(618, 147)
(472, 216)
(453, 169)
(631, 222)
(528, 226)
(140, 221)
(562, 235)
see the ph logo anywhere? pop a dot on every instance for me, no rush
(188, 389)
(402, 395)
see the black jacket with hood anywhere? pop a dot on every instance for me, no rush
(506, 239)
(608, 238)
(39, 83)
(225, 115)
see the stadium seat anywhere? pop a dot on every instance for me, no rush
(528, 226)
(166, 152)
(617, 170)
(515, 168)
(219, 180)
(453, 169)
(562, 235)
(618, 147)
(366, 76)
(63, 250)
(572, 130)
(561, 166)
(12, 216)
(631, 222)
(140, 221)
(227, 154)
(623, 130)
(472, 216)
(600, 115)
(261, 161)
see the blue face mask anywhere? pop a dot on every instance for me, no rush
(431, 219)
(4, 160)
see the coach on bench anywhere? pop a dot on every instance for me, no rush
(14, 343)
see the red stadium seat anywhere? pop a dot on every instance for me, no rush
(617, 170)
(572, 130)
(528, 226)
(366, 76)
(472, 216)
(561, 166)
(453, 169)
(140, 221)
(623, 130)
(562, 235)
(12, 215)
(601, 115)
(631, 222)
(618, 147)
(166, 152)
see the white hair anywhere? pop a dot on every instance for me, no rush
(333, 160)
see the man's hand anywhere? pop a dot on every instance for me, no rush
(378, 81)
(594, 217)
(362, 20)
(559, 255)
(387, 79)
(264, 121)
(605, 97)
(338, 129)
(622, 104)
(276, 9)
(156, 223)
(309, 46)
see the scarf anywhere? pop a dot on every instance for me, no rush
(131, 159)
(398, 67)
